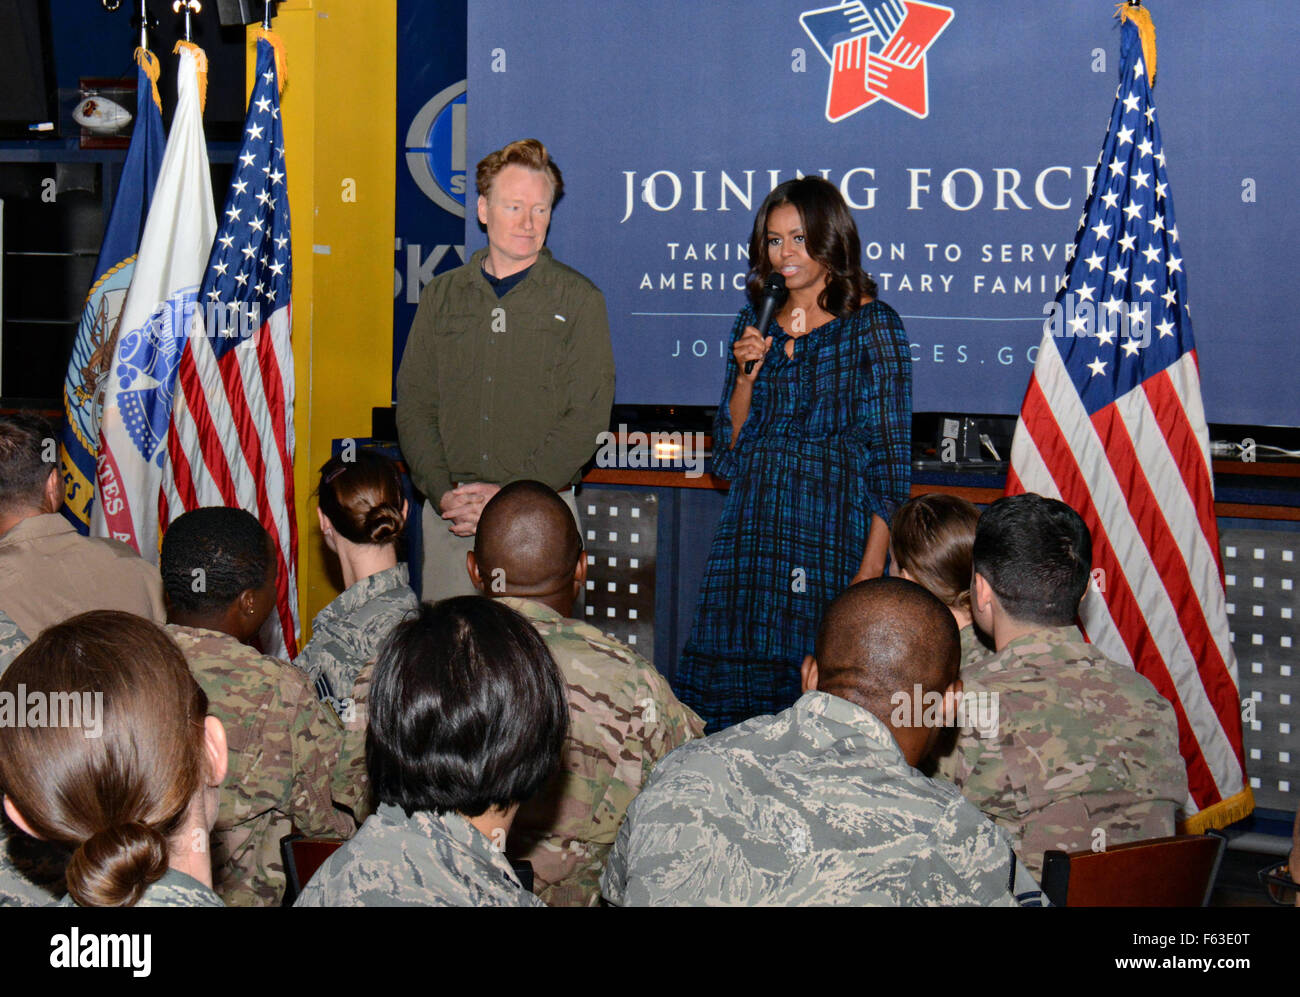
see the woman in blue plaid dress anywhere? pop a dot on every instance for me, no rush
(816, 442)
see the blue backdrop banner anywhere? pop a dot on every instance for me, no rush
(963, 136)
(431, 177)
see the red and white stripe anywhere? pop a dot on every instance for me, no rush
(231, 443)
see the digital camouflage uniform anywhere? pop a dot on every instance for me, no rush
(425, 860)
(623, 718)
(175, 889)
(291, 760)
(31, 871)
(1082, 744)
(812, 806)
(349, 631)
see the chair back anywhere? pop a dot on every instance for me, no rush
(1162, 872)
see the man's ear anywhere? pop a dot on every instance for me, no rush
(981, 592)
(471, 566)
(53, 491)
(482, 209)
(808, 674)
(16, 816)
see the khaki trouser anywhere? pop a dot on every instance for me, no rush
(444, 573)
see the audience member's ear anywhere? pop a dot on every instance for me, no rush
(981, 593)
(16, 816)
(53, 492)
(808, 674)
(406, 507)
(326, 529)
(580, 575)
(215, 748)
(471, 567)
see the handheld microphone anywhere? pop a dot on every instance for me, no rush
(774, 295)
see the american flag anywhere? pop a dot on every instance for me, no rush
(230, 441)
(1112, 424)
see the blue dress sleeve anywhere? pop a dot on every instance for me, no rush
(728, 460)
(889, 408)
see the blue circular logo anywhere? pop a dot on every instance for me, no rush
(435, 149)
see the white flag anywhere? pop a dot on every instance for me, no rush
(159, 313)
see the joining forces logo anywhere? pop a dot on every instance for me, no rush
(876, 51)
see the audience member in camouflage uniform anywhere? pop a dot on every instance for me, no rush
(291, 760)
(1086, 750)
(127, 781)
(362, 514)
(623, 717)
(822, 804)
(467, 719)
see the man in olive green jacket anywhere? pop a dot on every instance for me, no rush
(508, 371)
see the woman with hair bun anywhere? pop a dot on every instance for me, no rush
(362, 513)
(123, 767)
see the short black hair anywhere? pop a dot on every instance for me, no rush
(26, 440)
(1036, 553)
(228, 545)
(468, 710)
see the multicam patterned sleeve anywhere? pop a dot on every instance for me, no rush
(285, 748)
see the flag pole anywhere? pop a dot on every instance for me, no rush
(190, 7)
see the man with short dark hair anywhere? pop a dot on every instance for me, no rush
(467, 719)
(508, 372)
(291, 760)
(625, 718)
(48, 571)
(822, 803)
(1085, 753)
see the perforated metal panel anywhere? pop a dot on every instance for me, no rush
(620, 531)
(1261, 569)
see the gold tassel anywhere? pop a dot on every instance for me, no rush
(277, 44)
(1141, 18)
(147, 61)
(1221, 814)
(201, 60)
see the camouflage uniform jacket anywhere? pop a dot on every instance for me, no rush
(1082, 744)
(623, 718)
(175, 889)
(349, 631)
(425, 860)
(812, 806)
(290, 760)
